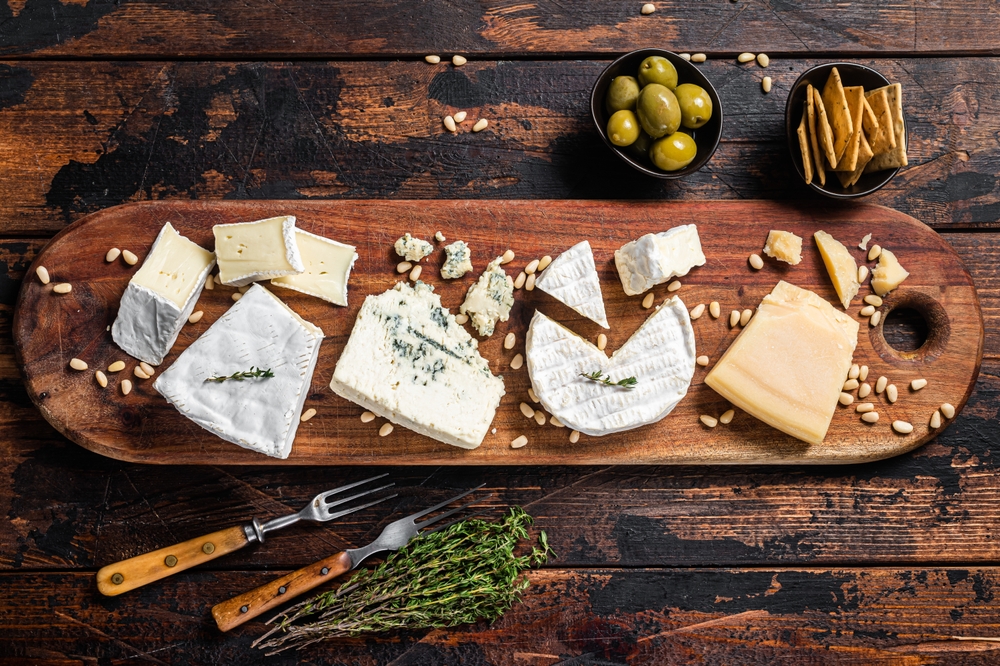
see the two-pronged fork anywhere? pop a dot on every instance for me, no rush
(236, 611)
(141, 569)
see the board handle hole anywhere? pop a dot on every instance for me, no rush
(905, 330)
(914, 327)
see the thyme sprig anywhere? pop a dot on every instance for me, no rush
(627, 383)
(252, 373)
(460, 575)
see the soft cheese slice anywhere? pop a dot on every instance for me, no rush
(840, 265)
(660, 355)
(572, 279)
(788, 366)
(656, 258)
(161, 296)
(327, 265)
(409, 361)
(251, 251)
(258, 414)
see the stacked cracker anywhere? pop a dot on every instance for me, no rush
(851, 132)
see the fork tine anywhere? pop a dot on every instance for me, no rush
(357, 508)
(431, 521)
(323, 496)
(421, 514)
(354, 497)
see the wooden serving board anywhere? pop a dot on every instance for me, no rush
(50, 329)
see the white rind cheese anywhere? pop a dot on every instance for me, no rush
(161, 296)
(261, 250)
(660, 355)
(489, 299)
(657, 258)
(327, 265)
(258, 414)
(410, 362)
(572, 279)
(457, 261)
(412, 249)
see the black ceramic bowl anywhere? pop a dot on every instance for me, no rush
(706, 137)
(852, 75)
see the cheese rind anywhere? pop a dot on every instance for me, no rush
(410, 362)
(656, 258)
(788, 366)
(489, 299)
(572, 279)
(251, 251)
(888, 274)
(262, 415)
(783, 246)
(161, 296)
(327, 268)
(840, 265)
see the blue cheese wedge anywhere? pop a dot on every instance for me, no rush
(657, 258)
(410, 362)
(260, 414)
(327, 265)
(572, 279)
(261, 250)
(412, 249)
(458, 260)
(490, 299)
(660, 356)
(161, 296)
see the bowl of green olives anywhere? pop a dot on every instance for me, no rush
(657, 112)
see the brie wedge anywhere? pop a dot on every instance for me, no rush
(572, 279)
(251, 251)
(409, 361)
(660, 356)
(489, 299)
(327, 268)
(657, 258)
(260, 414)
(160, 296)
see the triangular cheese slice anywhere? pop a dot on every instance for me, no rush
(572, 279)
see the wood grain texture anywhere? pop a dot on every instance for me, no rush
(353, 28)
(50, 329)
(105, 133)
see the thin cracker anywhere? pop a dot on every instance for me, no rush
(855, 102)
(896, 157)
(886, 138)
(803, 133)
(839, 113)
(864, 156)
(816, 154)
(823, 131)
(869, 122)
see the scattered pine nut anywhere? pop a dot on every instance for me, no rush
(745, 317)
(520, 279)
(862, 273)
(918, 384)
(544, 262)
(433, 59)
(685, 56)
(385, 430)
(529, 283)
(415, 273)
(574, 436)
(948, 410)
(508, 342)
(126, 386)
(602, 341)
(147, 368)
(438, 236)
(881, 383)
(865, 407)
(244, 289)
(237, 296)
(854, 372)
(647, 9)
(699, 57)
(876, 318)
(702, 360)
(539, 417)
(727, 416)
(697, 311)
(763, 60)
(734, 318)
(196, 316)
(516, 362)
(936, 419)
(531, 267)
(902, 427)
(766, 83)
(507, 257)
(101, 378)
(112, 254)
(864, 390)
(531, 394)
(77, 364)
(851, 384)
(480, 125)
(870, 417)
(138, 372)
(518, 442)
(461, 116)
(874, 299)
(863, 375)
(709, 421)
(460, 319)
(846, 399)
(674, 286)
(647, 301)
(556, 422)
(308, 414)
(117, 366)
(714, 309)
(210, 282)
(527, 410)
(130, 258)
(367, 417)
(745, 57)
(874, 252)
(63, 288)
(403, 267)
(449, 124)
(867, 311)
(43, 274)
(458, 60)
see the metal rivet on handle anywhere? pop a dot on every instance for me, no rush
(117, 579)
(244, 609)
(208, 548)
(170, 561)
(324, 571)
(282, 589)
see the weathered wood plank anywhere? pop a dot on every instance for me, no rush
(76, 137)
(355, 28)
(590, 616)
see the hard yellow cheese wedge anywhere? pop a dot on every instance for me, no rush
(888, 274)
(840, 265)
(788, 366)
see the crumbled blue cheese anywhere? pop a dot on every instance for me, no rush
(490, 299)
(412, 249)
(457, 261)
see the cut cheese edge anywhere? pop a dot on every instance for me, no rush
(656, 258)
(327, 268)
(261, 250)
(572, 279)
(888, 274)
(840, 265)
(783, 246)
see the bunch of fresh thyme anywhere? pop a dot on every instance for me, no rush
(467, 572)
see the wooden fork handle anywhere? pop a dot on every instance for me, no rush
(236, 611)
(148, 567)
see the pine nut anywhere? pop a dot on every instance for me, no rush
(765, 83)
(63, 288)
(458, 60)
(862, 273)
(520, 279)
(507, 257)
(244, 289)
(117, 366)
(763, 60)
(529, 283)
(210, 282)
(531, 394)
(874, 253)
(531, 267)
(77, 364)
(846, 399)
(602, 341)
(873, 299)
(415, 273)
(556, 422)
(508, 342)
(867, 311)
(854, 372)
(459, 117)
(710, 421)
(516, 362)
(449, 124)
(864, 390)
(308, 414)
(540, 417)
(196, 316)
(101, 378)
(697, 311)
(870, 417)
(367, 417)
(527, 410)
(702, 361)
(403, 267)
(674, 286)
(147, 368)
(714, 309)
(112, 254)
(876, 318)
(918, 384)
(685, 56)
(881, 383)
(699, 57)
(851, 384)
(745, 57)
(433, 59)
(137, 371)
(518, 442)
(727, 416)
(237, 296)
(126, 386)
(936, 419)
(43, 274)
(544, 262)
(647, 9)
(480, 125)
(734, 318)
(745, 317)
(647, 301)
(948, 410)
(902, 427)
(863, 375)
(460, 319)
(385, 430)
(865, 407)
(129, 258)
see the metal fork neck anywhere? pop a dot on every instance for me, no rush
(256, 530)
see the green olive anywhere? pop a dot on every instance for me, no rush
(674, 152)
(696, 105)
(622, 93)
(658, 111)
(657, 69)
(640, 148)
(623, 128)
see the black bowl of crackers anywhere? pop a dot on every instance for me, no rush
(846, 131)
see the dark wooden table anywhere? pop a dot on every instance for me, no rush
(107, 102)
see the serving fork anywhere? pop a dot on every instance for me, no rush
(234, 612)
(137, 571)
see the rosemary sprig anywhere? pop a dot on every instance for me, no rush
(457, 576)
(627, 383)
(252, 373)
